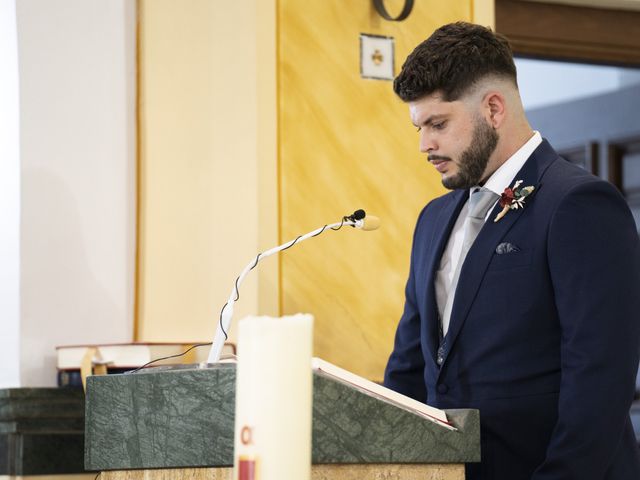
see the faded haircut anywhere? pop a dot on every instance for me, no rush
(452, 60)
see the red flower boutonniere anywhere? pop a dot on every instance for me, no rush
(513, 198)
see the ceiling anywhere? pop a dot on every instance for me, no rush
(611, 4)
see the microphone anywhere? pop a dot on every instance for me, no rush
(357, 219)
(370, 223)
(363, 221)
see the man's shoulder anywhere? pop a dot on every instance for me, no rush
(562, 178)
(555, 174)
(564, 171)
(570, 195)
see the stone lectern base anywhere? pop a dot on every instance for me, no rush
(318, 472)
(184, 418)
(170, 424)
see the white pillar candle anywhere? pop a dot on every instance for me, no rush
(273, 398)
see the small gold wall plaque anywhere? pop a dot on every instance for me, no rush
(376, 56)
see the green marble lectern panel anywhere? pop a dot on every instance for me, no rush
(161, 418)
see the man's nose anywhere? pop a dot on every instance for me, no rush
(427, 144)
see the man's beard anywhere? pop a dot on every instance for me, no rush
(473, 161)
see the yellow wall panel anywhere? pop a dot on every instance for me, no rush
(347, 143)
(484, 13)
(207, 162)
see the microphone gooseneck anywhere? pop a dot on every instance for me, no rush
(357, 219)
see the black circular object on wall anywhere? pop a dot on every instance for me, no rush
(406, 10)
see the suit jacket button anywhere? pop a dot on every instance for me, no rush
(442, 388)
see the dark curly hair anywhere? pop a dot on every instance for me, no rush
(452, 60)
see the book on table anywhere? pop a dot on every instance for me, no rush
(122, 357)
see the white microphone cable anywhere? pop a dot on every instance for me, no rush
(358, 219)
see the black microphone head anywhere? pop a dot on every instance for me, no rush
(359, 214)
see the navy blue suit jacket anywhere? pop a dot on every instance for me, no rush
(544, 341)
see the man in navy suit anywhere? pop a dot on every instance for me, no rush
(523, 294)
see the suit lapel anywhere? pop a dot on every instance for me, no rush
(442, 227)
(479, 256)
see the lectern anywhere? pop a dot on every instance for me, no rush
(171, 423)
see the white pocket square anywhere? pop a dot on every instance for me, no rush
(506, 247)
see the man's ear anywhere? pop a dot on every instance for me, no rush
(494, 106)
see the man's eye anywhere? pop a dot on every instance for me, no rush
(439, 126)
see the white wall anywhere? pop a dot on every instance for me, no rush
(77, 105)
(9, 198)
(544, 82)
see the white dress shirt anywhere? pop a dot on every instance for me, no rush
(502, 178)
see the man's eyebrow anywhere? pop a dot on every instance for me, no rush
(431, 119)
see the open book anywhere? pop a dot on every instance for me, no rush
(402, 401)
